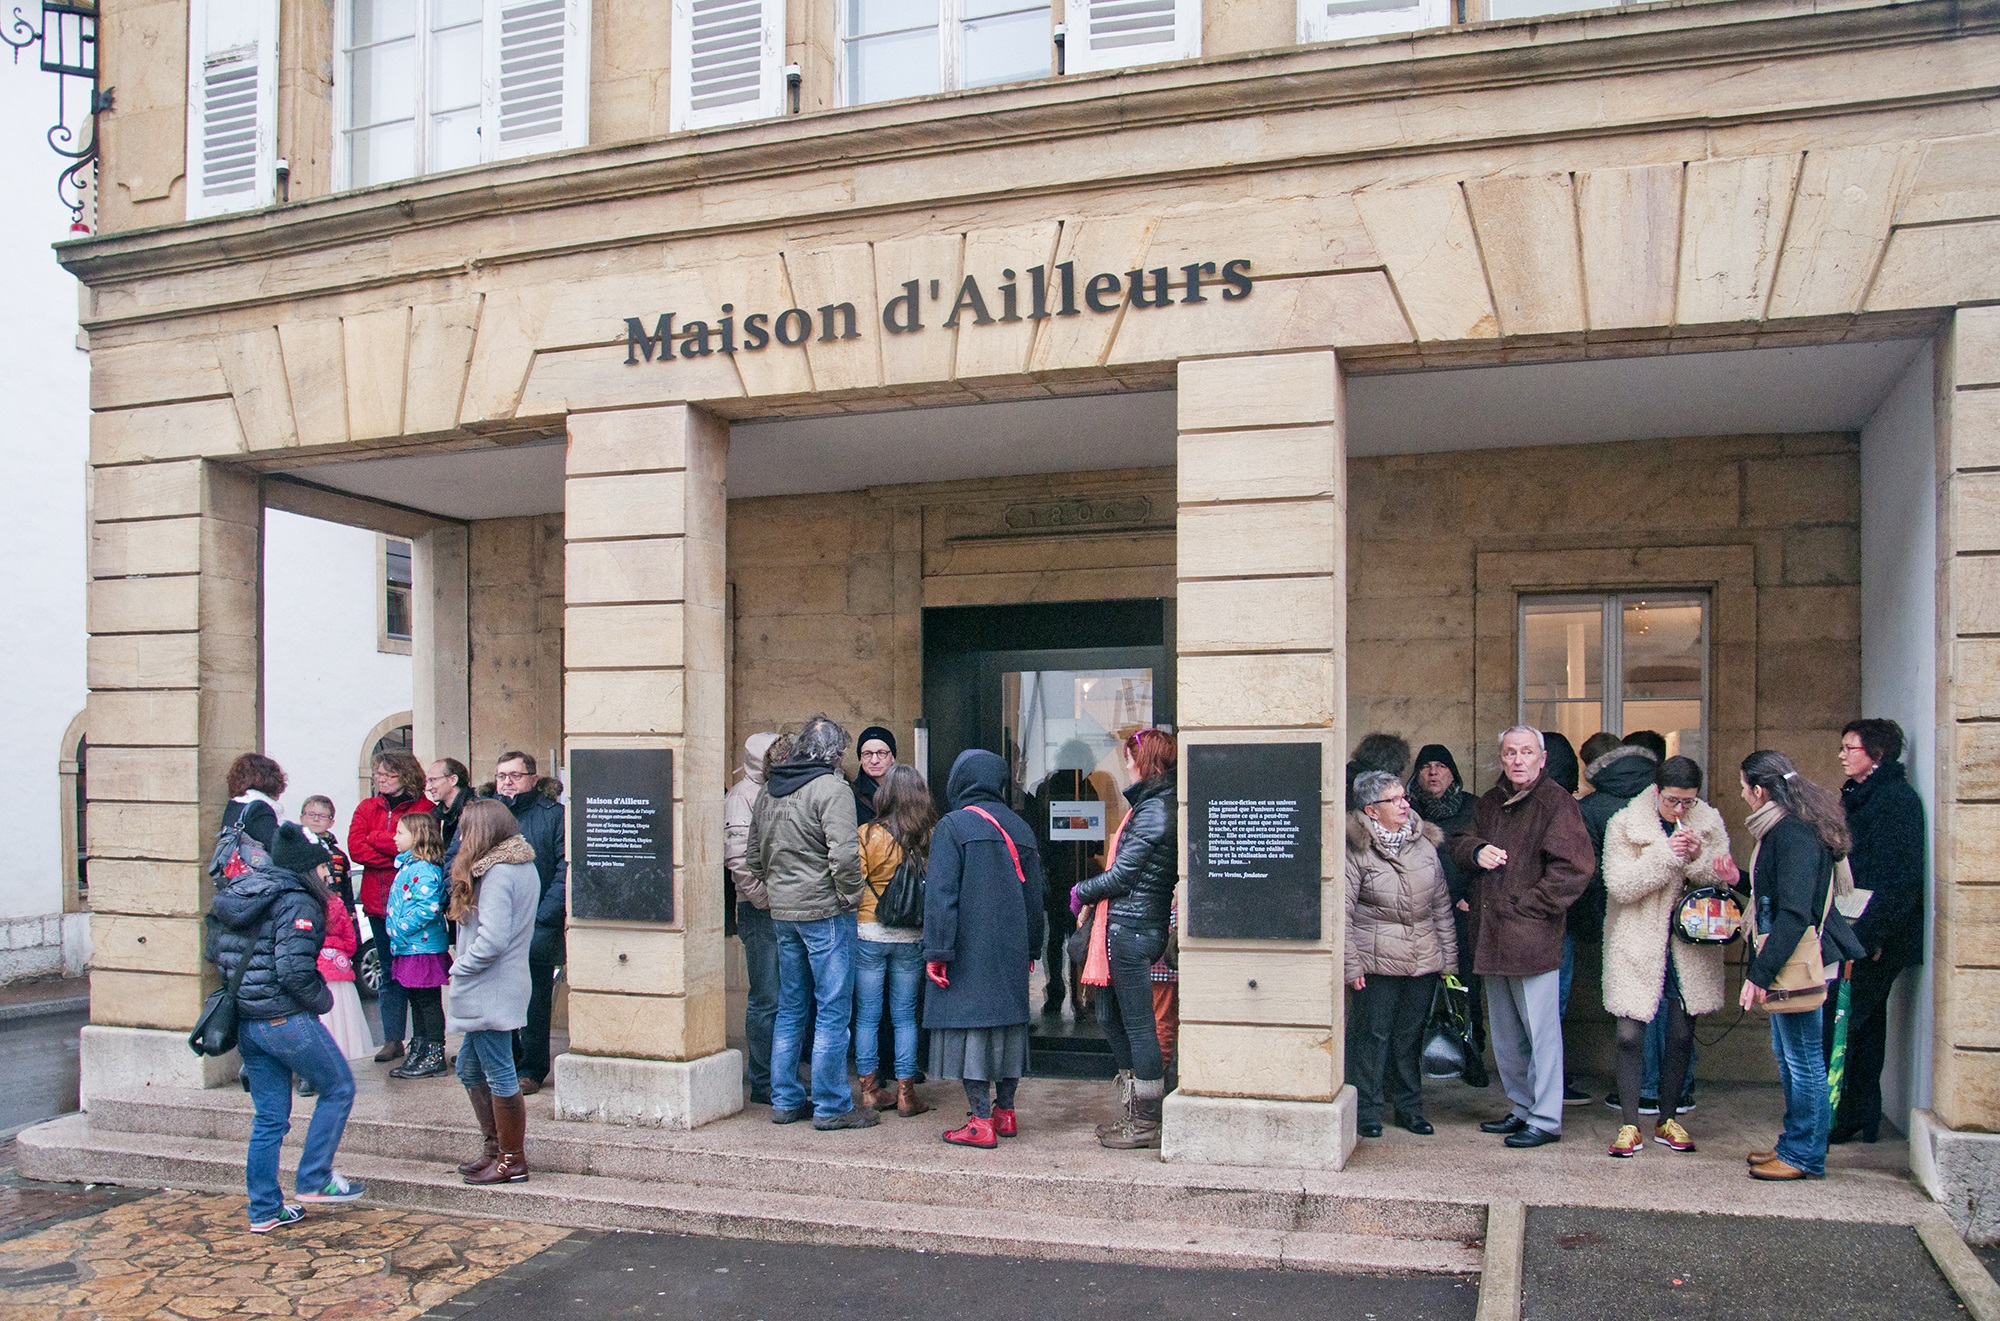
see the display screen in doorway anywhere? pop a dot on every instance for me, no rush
(1618, 662)
(1075, 720)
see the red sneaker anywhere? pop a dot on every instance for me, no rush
(1003, 1123)
(976, 1133)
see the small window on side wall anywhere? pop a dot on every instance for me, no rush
(1618, 662)
(890, 49)
(1344, 20)
(396, 622)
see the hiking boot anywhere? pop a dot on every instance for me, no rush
(1628, 1143)
(859, 1117)
(1672, 1136)
(1105, 1129)
(1141, 1131)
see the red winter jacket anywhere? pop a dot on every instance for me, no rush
(336, 956)
(371, 843)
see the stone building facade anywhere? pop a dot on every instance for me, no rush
(696, 424)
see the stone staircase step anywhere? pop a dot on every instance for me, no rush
(75, 1149)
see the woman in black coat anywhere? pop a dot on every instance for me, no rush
(982, 926)
(1138, 893)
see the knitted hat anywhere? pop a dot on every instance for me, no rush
(874, 732)
(295, 850)
(1437, 752)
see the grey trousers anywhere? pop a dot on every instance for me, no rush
(1524, 1022)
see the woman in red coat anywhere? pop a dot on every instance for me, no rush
(371, 844)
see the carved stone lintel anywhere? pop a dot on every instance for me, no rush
(1080, 514)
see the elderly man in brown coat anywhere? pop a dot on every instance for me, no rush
(1528, 842)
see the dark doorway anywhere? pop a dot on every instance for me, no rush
(1055, 690)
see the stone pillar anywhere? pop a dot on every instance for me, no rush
(1262, 636)
(1955, 1148)
(175, 671)
(644, 636)
(441, 652)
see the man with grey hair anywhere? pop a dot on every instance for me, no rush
(804, 849)
(1528, 844)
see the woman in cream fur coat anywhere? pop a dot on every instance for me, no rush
(1663, 843)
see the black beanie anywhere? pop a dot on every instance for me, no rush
(1436, 752)
(295, 850)
(874, 732)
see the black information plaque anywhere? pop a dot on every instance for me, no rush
(1254, 841)
(621, 834)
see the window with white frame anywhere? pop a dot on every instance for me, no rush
(232, 103)
(1117, 34)
(1343, 20)
(430, 85)
(1619, 662)
(897, 48)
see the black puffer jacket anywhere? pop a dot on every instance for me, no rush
(1140, 883)
(275, 920)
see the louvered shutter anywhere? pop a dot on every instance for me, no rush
(728, 61)
(232, 105)
(1339, 20)
(537, 76)
(1115, 34)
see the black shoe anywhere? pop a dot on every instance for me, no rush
(1416, 1124)
(759, 1097)
(1611, 1099)
(1847, 1133)
(790, 1116)
(1530, 1136)
(1649, 1105)
(1508, 1123)
(1686, 1107)
(861, 1116)
(1571, 1096)
(1475, 1075)
(306, 1089)
(1369, 1130)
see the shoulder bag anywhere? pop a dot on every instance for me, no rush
(1800, 985)
(900, 901)
(215, 1031)
(1709, 915)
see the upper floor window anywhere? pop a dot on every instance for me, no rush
(397, 614)
(430, 85)
(898, 48)
(232, 100)
(1621, 662)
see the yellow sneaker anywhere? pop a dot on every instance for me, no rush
(1628, 1143)
(1673, 1137)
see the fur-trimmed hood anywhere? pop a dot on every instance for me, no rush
(1360, 838)
(1627, 781)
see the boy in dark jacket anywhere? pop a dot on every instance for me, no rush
(265, 928)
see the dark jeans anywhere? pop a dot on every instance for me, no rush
(760, 1015)
(391, 1000)
(1385, 1043)
(273, 1050)
(1125, 1008)
(1867, 1042)
(531, 1043)
(1061, 923)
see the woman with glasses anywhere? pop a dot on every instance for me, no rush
(1663, 843)
(1400, 937)
(398, 779)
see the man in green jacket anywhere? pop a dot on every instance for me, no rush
(805, 848)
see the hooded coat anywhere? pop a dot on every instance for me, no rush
(272, 918)
(1518, 911)
(981, 919)
(1399, 915)
(1616, 778)
(804, 846)
(489, 980)
(1644, 882)
(737, 807)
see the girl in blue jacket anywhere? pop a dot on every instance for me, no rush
(417, 940)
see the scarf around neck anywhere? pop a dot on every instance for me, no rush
(1761, 820)
(1392, 842)
(514, 848)
(1441, 806)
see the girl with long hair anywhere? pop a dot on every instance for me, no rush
(1801, 832)
(891, 958)
(494, 892)
(420, 962)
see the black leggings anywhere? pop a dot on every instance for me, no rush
(1673, 1064)
(976, 1095)
(427, 1013)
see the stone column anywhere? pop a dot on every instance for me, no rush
(644, 635)
(175, 671)
(1262, 634)
(441, 652)
(1955, 1151)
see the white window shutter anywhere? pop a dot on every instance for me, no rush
(1341, 20)
(1116, 34)
(728, 62)
(537, 76)
(232, 105)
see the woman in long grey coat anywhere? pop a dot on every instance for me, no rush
(494, 892)
(1400, 938)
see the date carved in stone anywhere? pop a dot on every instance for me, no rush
(1063, 515)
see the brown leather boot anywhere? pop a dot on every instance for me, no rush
(867, 1096)
(908, 1103)
(482, 1109)
(1141, 1131)
(510, 1117)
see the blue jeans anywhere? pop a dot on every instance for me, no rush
(820, 955)
(273, 1050)
(1795, 1040)
(901, 966)
(760, 1014)
(486, 1058)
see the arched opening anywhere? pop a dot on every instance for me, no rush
(74, 794)
(391, 734)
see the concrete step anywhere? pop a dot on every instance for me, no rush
(76, 1149)
(918, 1171)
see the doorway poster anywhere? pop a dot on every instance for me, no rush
(1076, 820)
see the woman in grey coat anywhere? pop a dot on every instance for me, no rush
(494, 891)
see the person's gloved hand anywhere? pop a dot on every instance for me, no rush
(935, 971)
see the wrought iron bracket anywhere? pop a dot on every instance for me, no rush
(68, 42)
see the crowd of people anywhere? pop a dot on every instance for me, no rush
(1500, 889)
(462, 895)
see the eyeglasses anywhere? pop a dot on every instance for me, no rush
(883, 755)
(1399, 798)
(514, 777)
(1677, 804)
(315, 816)
(1852, 747)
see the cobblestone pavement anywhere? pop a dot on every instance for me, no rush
(180, 1256)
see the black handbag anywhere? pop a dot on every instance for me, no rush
(900, 903)
(215, 1031)
(1448, 1031)
(1077, 945)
